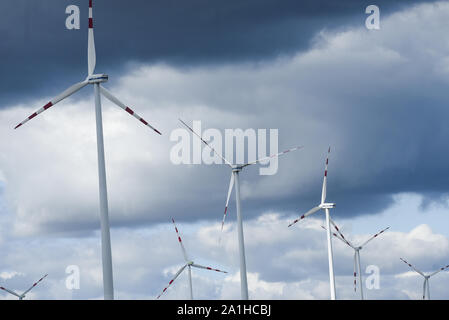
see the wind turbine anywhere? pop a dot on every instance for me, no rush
(325, 206)
(96, 80)
(426, 288)
(236, 169)
(21, 296)
(357, 265)
(189, 265)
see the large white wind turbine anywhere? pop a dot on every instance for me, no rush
(357, 265)
(189, 265)
(235, 182)
(325, 206)
(96, 80)
(426, 288)
(21, 296)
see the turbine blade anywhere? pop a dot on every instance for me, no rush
(439, 270)
(355, 271)
(10, 291)
(171, 281)
(324, 191)
(341, 234)
(413, 267)
(34, 284)
(215, 151)
(272, 156)
(308, 213)
(231, 185)
(180, 242)
(207, 268)
(375, 236)
(68, 92)
(424, 287)
(91, 55)
(120, 104)
(338, 237)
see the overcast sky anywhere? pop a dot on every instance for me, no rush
(309, 69)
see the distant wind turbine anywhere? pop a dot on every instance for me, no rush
(324, 206)
(189, 265)
(21, 296)
(235, 170)
(357, 265)
(426, 288)
(96, 80)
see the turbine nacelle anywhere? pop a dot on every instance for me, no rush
(327, 205)
(97, 78)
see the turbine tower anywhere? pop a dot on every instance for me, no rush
(235, 171)
(96, 80)
(426, 288)
(21, 296)
(325, 206)
(189, 265)
(357, 265)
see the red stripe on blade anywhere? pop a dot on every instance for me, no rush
(129, 111)
(48, 105)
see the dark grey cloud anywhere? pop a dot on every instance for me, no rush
(40, 56)
(376, 97)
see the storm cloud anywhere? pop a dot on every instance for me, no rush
(39, 54)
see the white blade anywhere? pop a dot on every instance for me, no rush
(34, 284)
(207, 268)
(59, 98)
(172, 280)
(413, 267)
(180, 242)
(355, 271)
(218, 154)
(10, 291)
(424, 287)
(231, 185)
(91, 55)
(439, 270)
(338, 237)
(341, 234)
(272, 156)
(308, 213)
(324, 191)
(120, 104)
(375, 236)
